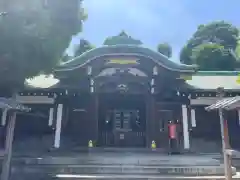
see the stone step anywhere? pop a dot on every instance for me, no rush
(116, 177)
(145, 177)
(87, 159)
(119, 169)
(125, 164)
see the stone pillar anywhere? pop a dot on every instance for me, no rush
(58, 126)
(193, 118)
(4, 117)
(51, 115)
(186, 141)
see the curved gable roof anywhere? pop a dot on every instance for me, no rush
(91, 55)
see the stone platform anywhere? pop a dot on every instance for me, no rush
(115, 164)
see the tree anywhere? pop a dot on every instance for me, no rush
(237, 54)
(83, 46)
(218, 32)
(213, 57)
(165, 49)
(238, 50)
(185, 55)
(33, 40)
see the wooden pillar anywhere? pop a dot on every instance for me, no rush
(4, 117)
(238, 111)
(150, 109)
(186, 140)
(51, 115)
(95, 117)
(193, 118)
(57, 138)
(150, 120)
(6, 164)
(93, 107)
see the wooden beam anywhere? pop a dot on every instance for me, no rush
(35, 100)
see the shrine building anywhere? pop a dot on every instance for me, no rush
(124, 95)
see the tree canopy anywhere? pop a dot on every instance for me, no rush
(238, 50)
(211, 38)
(213, 57)
(33, 40)
(165, 49)
(219, 32)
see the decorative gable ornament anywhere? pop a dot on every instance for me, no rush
(121, 39)
(155, 70)
(122, 87)
(89, 70)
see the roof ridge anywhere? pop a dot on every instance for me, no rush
(217, 73)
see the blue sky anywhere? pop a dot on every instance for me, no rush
(154, 21)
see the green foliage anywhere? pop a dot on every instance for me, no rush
(216, 32)
(219, 32)
(33, 40)
(213, 57)
(83, 46)
(185, 55)
(165, 49)
(237, 54)
(238, 50)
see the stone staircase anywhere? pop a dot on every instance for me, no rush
(117, 165)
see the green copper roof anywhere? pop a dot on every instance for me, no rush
(124, 50)
(215, 79)
(218, 73)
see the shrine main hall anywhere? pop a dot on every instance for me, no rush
(123, 95)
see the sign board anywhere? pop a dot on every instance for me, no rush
(122, 61)
(186, 77)
(121, 136)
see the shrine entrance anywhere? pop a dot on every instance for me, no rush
(122, 120)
